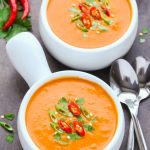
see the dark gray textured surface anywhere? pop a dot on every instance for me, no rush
(13, 87)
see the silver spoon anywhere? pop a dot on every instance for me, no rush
(141, 66)
(124, 82)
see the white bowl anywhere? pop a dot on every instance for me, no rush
(28, 58)
(25, 138)
(85, 59)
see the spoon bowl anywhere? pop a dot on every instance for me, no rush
(141, 66)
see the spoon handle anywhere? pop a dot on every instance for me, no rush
(139, 133)
(130, 144)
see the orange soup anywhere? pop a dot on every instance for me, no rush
(89, 23)
(71, 114)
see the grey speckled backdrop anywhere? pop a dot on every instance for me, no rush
(13, 87)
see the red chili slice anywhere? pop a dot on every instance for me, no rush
(107, 11)
(64, 126)
(74, 108)
(95, 13)
(79, 128)
(86, 21)
(83, 8)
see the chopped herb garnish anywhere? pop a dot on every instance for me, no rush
(71, 124)
(79, 101)
(105, 2)
(9, 116)
(63, 119)
(142, 40)
(88, 127)
(10, 138)
(142, 35)
(74, 136)
(62, 110)
(63, 101)
(6, 126)
(80, 118)
(98, 13)
(145, 30)
(72, 128)
(94, 120)
(57, 136)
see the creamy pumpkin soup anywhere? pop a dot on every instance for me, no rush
(71, 114)
(89, 23)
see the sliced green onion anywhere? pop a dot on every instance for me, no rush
(6, 126)
(76, 17)
(106, 20)
(80, 26)
(53, 116)
(86, 113)
(56, 127)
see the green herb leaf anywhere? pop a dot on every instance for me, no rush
(63, 101)
(19, 24)
(74, 136)
(145, 30)
(4, 14)
(88, 127)
(79, 101)
(57, 136)
(62, 110)
(6, 126)
(79, 118)
(94, 120)
(9, 116)
(16, 28)
(142, 40)
(10, 138)
(25, 23)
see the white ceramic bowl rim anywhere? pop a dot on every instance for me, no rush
(124, 37)
(26, 99)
